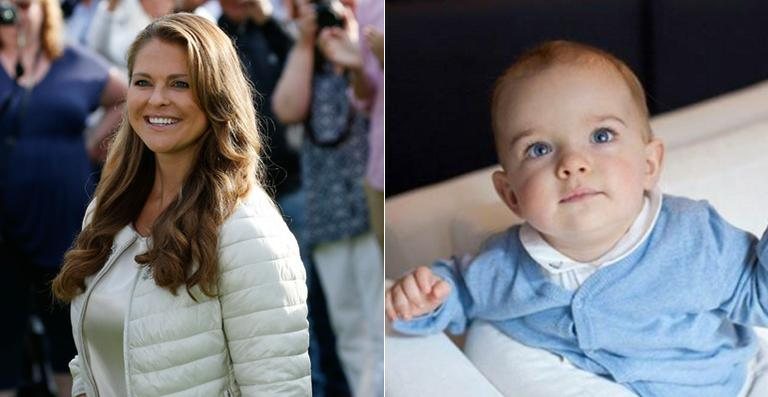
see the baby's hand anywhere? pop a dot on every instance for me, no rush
(416, 293)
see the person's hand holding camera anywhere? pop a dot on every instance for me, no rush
(341, 45)
(306, 21)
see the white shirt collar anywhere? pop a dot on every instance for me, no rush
(555, 262)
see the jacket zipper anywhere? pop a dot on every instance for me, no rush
(110, 261)
(125, 330)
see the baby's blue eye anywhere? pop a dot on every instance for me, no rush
(603, 135)
(537, 149)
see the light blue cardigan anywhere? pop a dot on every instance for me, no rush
(670, 319)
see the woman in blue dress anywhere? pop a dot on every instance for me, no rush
(47, 91)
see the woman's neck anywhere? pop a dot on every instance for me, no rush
(30, 57)
(170, 174)
(20, 40)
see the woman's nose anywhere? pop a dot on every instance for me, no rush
(158, 97)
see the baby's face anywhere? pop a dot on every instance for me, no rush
(576, 163)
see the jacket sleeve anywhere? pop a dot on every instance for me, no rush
(78, 386)
(262, 289)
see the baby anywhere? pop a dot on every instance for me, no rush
(654, 294)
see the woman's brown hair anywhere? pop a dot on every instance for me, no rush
(184, 248)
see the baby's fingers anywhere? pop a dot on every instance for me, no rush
(424, 278)
(440, 291)
(400, 302)
(414, 294)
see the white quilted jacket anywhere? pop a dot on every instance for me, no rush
(251, 340)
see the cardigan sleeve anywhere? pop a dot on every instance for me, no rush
(749, 303)
(263, 295)
(742, 270)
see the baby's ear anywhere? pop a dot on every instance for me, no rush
(504, 190)
(654, 160)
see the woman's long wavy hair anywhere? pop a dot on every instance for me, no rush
(184, 249)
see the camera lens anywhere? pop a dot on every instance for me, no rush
(7, 13)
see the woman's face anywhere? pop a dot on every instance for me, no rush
(162, 107)
(29, 21)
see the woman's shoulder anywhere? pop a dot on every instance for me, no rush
(256, 237)
(255, 217)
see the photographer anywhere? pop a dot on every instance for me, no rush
(362, 54)
(313, 90)
(47, 90)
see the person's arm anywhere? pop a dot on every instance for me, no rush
(262, 290)
(293, 92)
(112, 98)
(741, 273)
(342, 47)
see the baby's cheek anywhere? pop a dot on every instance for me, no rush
(629, 177)
(535, 199)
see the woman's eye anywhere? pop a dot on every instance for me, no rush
(537, 149)
(141, 83)
(180, 84)
(603, 135)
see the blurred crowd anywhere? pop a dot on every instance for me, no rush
(317, 69)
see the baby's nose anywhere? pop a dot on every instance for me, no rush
(572, 164)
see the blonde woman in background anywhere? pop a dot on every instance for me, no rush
(185, 280)
(47, 90)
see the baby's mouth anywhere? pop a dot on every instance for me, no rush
(578, 195)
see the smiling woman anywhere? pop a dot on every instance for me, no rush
(162, 108)
(180, 205)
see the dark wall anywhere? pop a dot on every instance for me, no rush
(443, 57)
(703, 48)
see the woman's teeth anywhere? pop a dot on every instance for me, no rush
(162, 120)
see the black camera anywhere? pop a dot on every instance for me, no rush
(327, 15)
(7, 13)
